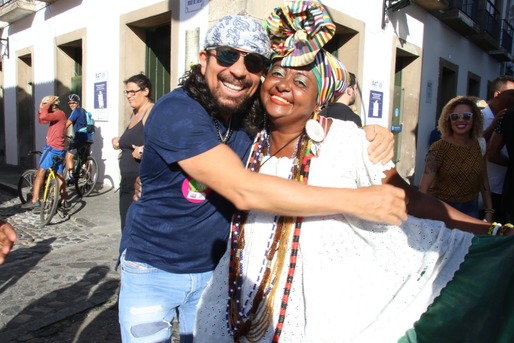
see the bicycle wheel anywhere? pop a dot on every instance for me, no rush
(88, 175)
(25, 184)
(49, 201)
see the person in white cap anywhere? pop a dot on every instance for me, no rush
(193, 177)
(49, 113)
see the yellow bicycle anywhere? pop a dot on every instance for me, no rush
(50, 196)
(49, 193)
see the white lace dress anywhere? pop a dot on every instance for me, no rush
(355, 281)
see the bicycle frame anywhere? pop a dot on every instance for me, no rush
(48, 181)
(81, 157)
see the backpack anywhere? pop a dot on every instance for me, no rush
(90, 127)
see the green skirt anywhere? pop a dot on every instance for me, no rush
(477, 305)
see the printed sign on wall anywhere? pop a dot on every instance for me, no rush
(376, 100)
(100, 97)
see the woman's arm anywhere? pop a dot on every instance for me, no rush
(428, 176)
(222, 170)
(427, 206)
(485, 192)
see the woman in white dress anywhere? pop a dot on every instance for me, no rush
(338, 278)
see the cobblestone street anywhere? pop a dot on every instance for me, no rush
(59, 283)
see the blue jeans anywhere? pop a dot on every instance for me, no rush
(150, 298)
(468, 207)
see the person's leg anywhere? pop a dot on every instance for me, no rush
(126, 194)
(45, 162)
(187, 311)
(69, 162)
(38, 181)
(148, 301)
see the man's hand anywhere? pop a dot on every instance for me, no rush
(138, 189)
(7, 239)
(382, 204)
(382, 143)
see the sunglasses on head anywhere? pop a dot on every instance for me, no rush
(227, 56)
(464, 115)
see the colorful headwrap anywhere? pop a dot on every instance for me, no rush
(298, 31)
(239, 32)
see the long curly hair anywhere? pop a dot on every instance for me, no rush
(251, 118)
(444, 124)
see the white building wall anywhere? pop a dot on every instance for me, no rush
(443, 42)
(102, 43)
(37, 34)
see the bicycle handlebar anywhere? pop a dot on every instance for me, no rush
(34, 152)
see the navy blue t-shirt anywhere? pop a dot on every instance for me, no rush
(177, 225)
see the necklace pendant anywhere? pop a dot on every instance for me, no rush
(228, 133)
(314, 130)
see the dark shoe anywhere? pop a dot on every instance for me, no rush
(30, 204)
(65, 205)
(70, 181)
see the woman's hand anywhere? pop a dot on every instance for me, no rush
(138, 189)
(7, 239)
(137, 153)
(382, 143)
(116, 143)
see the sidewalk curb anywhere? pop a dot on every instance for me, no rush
(9, 189)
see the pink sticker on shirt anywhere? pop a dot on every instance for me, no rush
(194, 191)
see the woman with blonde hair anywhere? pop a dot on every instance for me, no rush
(455, 166)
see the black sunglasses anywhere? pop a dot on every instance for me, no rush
(457, 116)
(227, 56)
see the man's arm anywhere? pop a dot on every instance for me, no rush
(7, 239)
(253, 191)
(45, 117)
(488, 132)
(494, 148)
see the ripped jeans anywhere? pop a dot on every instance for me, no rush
(150, 298)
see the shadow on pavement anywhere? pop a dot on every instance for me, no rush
(63, 303)
(10, 275)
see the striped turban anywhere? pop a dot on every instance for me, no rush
(298, 30)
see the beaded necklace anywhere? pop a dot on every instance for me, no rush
(254, 323)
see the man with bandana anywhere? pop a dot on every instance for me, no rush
(193, 177)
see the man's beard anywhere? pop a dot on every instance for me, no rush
(233, 107)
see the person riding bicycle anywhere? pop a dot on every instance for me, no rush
(78, 119)
(49, 113)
